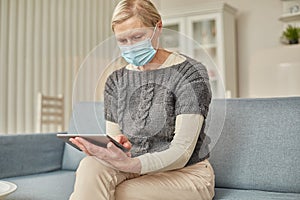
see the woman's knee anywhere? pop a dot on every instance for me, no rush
(94, 169)
(86, 163)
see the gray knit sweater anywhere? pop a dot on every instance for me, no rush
(145, 105)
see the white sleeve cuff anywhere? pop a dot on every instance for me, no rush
(112, 129)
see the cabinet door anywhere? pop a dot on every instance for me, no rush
(207, 48)
(173, 32)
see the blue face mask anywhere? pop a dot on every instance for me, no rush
(140, 53)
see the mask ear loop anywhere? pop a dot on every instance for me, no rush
(153, 36)
(153, 32)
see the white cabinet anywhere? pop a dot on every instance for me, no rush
(290, 13)
(206, 28)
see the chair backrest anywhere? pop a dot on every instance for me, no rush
(50, 112)
(259, 144)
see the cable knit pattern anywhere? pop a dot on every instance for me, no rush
(145, 105)
(122, 95)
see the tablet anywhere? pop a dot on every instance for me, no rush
(97, 139)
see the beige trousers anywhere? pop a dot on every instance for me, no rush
(95, 181)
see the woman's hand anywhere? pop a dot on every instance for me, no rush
(112, 154)
(123, 140)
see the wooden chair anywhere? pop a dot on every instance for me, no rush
(50, 112)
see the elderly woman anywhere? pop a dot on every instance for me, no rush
(155, 106)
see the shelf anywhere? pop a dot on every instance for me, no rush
(290, 17)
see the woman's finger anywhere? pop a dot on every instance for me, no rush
(123, 140)
(119, 138)
(81, 146)
(93, 149)
(127, 145)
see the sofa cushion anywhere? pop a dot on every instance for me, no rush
(259, 145)
(56, 185)
(87, 118)
(24, 154)
(233, 194)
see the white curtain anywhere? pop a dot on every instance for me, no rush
(42, 44)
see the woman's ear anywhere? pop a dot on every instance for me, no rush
(155, 41)
(159, 25)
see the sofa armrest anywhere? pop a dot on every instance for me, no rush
(24, 154)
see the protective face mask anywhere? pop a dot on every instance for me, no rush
(139, 53)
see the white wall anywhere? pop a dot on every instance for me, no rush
(258, 28)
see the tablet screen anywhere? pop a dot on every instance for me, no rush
(97, 139)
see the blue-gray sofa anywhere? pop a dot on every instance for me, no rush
(256, 157)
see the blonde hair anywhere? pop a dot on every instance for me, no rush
(143, 9)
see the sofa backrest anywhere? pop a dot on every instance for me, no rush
(87, 118)
(22, 154)
(259, 147)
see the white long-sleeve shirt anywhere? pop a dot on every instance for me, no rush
(187, 131)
